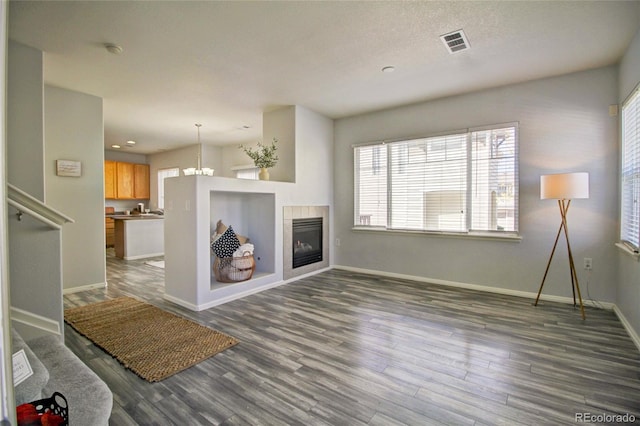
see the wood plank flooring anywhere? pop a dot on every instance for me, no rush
(343, 348)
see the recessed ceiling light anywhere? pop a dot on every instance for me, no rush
(115, 146)
(131, 142)
(113, 48)
(389, 69)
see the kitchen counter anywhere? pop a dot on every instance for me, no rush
(139, 236)
(135, 216)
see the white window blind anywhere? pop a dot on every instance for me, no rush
(459, 182)
(428, 183)
(162, 174)
(630, 171)
(371, 185)
(494, 176)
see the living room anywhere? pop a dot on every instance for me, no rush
(565, 124)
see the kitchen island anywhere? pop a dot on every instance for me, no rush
(139, 236)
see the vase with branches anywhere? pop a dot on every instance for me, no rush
(263, 156)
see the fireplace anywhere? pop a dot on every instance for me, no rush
(307, 241)
(320, 259)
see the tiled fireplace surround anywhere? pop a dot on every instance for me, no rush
(303, 212)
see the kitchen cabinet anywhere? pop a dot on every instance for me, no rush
(126, 181)
(109, 230)
(141, 181)
(110, 179)
(109, 227)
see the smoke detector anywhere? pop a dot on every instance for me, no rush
(455, 41)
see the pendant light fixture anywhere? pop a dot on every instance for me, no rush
(198, 170)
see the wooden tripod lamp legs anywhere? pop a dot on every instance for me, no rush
(564, 208)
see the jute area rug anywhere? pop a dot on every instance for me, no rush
(152, 343)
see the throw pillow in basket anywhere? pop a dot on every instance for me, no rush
(221, 227)
(226, 244)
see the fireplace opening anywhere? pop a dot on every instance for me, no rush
(307, 241)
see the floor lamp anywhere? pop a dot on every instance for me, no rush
(564, 187)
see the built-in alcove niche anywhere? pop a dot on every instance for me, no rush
(252, 215)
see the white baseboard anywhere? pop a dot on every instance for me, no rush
(526, 294)
(83, 288)
(488, 289)
(627, 325)
(222, 300)
(240, 295)
(36, 321)
(143, 256)
(236, 296)
(181, 302)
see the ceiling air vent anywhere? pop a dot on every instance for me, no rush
(455, 41)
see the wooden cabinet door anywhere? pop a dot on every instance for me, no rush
(110, 180)
(109, 231)
(125, 178)
(141, 181)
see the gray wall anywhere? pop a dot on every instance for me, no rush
(629, 282)
(281, 124)
(35, 269)
(74, 131)
(564, 126)
(233, 156)
(182, 158)
(126, 157)
(25, 137)
(34, 249)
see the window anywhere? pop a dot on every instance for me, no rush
(630, 172)
(246, 172)
(162, 174)
(459, 182)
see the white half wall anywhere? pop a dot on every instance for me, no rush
(193, 204)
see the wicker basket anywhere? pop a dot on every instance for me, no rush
(234, 269)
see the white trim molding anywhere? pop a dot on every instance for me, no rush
(236, 296)
(35, 321)
(488, 289)
(83, 288)
(627, 325)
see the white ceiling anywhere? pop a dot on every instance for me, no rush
(223, 63)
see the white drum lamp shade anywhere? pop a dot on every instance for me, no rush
(564, 186)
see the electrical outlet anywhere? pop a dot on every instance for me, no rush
(588, 263)
(337, 242)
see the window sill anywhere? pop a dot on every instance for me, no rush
(494, 236)
(628, 251)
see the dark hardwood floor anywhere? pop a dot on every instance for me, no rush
(343, 348)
